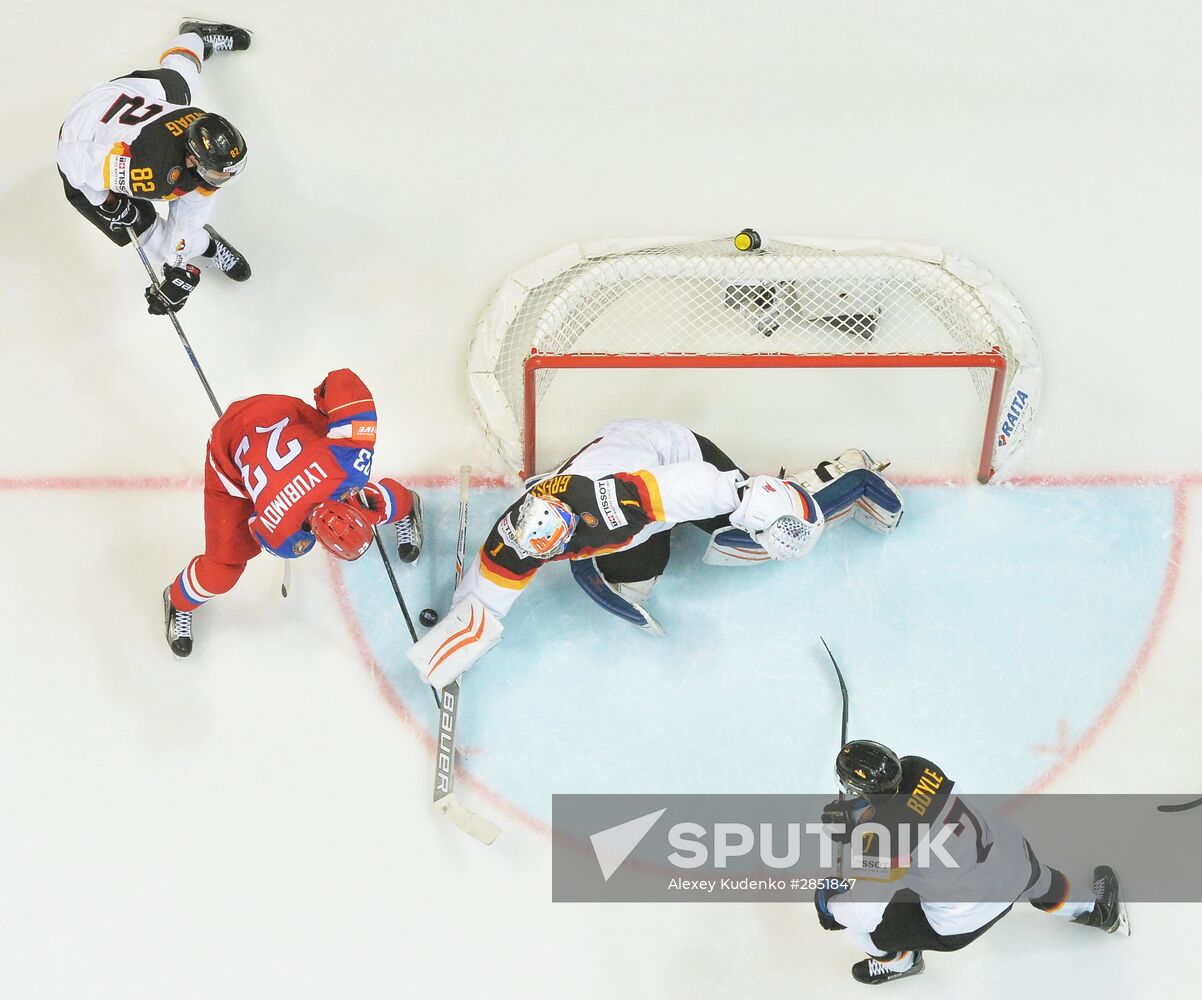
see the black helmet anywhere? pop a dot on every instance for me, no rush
(867, 768)
(219, 149)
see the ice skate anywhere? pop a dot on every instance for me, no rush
(1109, 912)
(409, 533)
(876, 970)
(178, 626)
(217, 37)
(222, 256)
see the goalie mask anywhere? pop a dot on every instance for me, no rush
(542, 527)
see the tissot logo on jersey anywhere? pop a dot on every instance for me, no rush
(119, 174)
(608, 504)
(505, 530)
(293, 490)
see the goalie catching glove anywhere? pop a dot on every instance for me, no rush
(468, 632)
(779, 515)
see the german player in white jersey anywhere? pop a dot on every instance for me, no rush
(953, 894)
(139, 140)
(610, 510)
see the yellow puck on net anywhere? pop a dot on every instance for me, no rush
(748, 239)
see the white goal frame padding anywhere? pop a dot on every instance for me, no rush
(929, 309)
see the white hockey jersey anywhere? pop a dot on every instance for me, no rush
(635, 479)
(128, 136)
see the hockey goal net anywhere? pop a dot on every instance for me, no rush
(788, 303)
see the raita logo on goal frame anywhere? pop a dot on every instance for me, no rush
(1018, 406)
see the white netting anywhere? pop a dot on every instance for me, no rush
(812, 297)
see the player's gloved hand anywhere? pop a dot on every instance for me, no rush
(779, 515)
(171, 295)
(822, 897)
(841, 814)
(382, 502)
(121, 213)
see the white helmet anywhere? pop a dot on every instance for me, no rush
(542, 527)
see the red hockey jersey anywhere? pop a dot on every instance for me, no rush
(285, 457)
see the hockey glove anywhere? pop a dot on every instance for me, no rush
(381, 503)
(822, 898)
(172, 294)
(779, 516)
(126, 212)
(841, 814)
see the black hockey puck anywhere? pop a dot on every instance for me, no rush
(428, 617)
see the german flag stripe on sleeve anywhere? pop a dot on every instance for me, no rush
(600, 550)
(495, 573)
(648, 490)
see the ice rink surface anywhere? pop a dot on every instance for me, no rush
(254, 821)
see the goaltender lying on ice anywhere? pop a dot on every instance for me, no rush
(610, 509)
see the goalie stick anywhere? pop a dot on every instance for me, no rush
(445, 799)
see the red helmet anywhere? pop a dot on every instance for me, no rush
(341, 529)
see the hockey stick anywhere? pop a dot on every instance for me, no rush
(396, 589)
(445, 800)
(1180, 806)
(154, 281)
(286, 583)
(842, 733)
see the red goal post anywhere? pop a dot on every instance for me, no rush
(678, 303)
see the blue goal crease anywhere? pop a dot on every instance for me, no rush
(992, 617)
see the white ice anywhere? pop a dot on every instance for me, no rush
(254, 821)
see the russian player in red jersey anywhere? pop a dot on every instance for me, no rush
(282, 474)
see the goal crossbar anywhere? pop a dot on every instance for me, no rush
(536, 362)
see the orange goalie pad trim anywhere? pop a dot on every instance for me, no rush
(456, 641)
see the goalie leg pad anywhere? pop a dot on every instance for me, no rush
(468, 631)
(616, 598)
(867, 495)
(734, 547)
